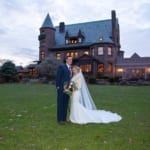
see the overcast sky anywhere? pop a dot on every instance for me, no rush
(21, 20)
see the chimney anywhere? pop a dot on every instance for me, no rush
(113, 17)
(61, 27)
(113, 14)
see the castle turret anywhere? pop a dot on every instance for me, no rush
(46, 37)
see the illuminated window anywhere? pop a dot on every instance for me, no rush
(68, 54)
(72, 54)
(85, 68)
(86, 52)
(143, 73)
(135, 71)
(32, 71)
(109, 51)
(138, 73)
(100, 51)
(120, 70)
(100, 68)
(58, 55)
(73, 41)
(42, 55)
(110, 68)
(148, 69)
(76, 54)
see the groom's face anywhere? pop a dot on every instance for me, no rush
(69, 60)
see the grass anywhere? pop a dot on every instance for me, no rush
(28, 119)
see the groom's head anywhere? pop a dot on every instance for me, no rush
(68, 60)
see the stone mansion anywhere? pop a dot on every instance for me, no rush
(94, 46)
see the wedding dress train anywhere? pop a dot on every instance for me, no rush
(83, 109)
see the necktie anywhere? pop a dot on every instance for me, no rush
(70, 71)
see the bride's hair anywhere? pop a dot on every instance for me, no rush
(85, 99)
(76, 67)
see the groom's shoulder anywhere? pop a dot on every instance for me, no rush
(61, 66)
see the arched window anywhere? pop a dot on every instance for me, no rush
(100, 68)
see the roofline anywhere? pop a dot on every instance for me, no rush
(66, 47)
(47, 28)
(85, 22)
(70, 47)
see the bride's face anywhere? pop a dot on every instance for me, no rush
(74, 71)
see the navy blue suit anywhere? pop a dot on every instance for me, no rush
(63, 75)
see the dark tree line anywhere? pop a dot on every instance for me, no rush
(8, 71)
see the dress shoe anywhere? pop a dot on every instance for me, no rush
(61, 122)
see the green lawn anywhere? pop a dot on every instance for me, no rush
(28, 119)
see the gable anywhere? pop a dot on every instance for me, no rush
(135, 56)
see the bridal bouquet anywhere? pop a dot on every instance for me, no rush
(69, 87)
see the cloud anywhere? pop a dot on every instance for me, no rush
(25, 52)
(22, 56)
(2, 32)
(136, 41)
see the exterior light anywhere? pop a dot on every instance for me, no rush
(148, 69)
(120, 70)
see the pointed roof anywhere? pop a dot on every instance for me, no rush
(135, 55)
(47, 22)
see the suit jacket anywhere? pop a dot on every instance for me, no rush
(62, 75)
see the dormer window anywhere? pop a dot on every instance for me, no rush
(73, 40)
(80, 40)
(67, 41)
(80, 36)
(100, 38)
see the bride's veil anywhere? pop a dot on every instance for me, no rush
(85, 98)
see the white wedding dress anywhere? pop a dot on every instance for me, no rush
(83, 109)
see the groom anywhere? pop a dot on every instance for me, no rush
(63, 75)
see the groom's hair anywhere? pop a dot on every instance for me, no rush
(66, 58)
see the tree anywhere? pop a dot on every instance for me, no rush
(2, 61)
(8, 71)
(47, 68)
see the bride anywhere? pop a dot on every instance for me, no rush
(83, 109)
